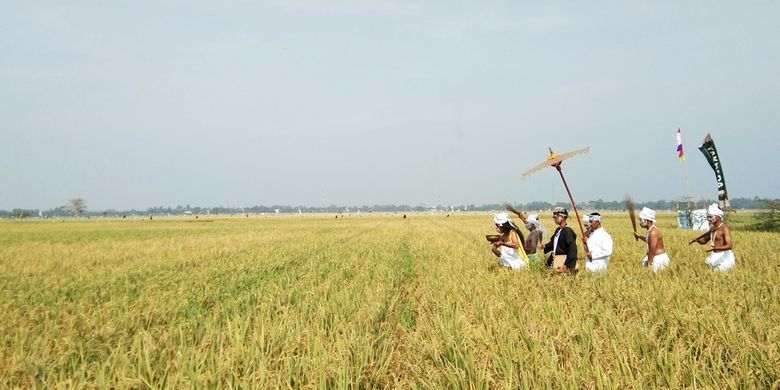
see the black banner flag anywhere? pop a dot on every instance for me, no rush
(711, 154)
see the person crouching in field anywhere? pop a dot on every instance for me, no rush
(719, 237)
(599, 244)
(563, 244)
(656, 254)
(509, 248)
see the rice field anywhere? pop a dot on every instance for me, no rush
(372, 302)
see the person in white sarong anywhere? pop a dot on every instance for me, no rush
(599, 244)
(509, 248)
(721, 257)
(656, 253)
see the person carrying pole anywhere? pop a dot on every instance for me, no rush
(562, 245)
(656, 254)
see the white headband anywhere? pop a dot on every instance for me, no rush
(714, 210)
(533, 219)
(595, 218)
(500, 218)
(647, 214)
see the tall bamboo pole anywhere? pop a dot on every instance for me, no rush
(573, 205)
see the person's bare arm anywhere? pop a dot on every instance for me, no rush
(703, 239)
(520, 214)
(639, 237)
(495, 249)
(727, 241)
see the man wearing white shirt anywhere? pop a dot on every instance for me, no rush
(599, 245)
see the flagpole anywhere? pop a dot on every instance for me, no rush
(687, 187)
(681, 155)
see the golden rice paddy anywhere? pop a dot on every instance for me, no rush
(372, 302)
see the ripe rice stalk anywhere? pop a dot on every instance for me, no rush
(631, 213)
(383, 302)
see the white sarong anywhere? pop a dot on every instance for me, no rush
(722, 261)
(598, 265)
(659, 262)
(511, 259)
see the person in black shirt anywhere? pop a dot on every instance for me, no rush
(562, 243)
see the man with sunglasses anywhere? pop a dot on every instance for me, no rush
(721, 257)
(563, 245)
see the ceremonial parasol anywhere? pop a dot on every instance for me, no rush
(555, 160)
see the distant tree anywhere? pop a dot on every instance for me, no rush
(20, 214)
(768, 221)
(77, 207)
(754, 204)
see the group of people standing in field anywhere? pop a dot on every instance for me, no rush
(515, 251)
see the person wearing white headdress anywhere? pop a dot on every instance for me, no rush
(509, 248)
(656, 254)
(534, 241)
(599, 244)
(721, 257)
(586, 225)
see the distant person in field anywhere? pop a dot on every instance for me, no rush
(656, 254)
(719, 237)
(509, 248)
(563, 244)
(599, 244)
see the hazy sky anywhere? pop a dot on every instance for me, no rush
(134, 104)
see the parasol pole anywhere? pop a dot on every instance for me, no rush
(573, 205)
(681, 155)
(555, 160)
(687, 188)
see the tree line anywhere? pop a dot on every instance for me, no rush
(78, 208)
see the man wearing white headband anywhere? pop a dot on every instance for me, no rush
(509, 248)
(533, 243)
(599, 244)
(719, 237)
(656, 254)
(586, 225)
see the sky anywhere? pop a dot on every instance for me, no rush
(137, 104)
